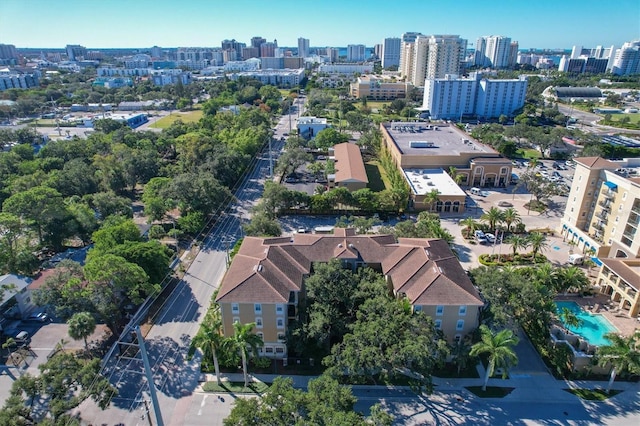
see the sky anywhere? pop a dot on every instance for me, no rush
(145, 23)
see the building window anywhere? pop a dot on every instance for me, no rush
(438, 324)
(439, 310)
(235, 308)
(257, 308)
(617, 218)
(279, 350)
(259, 322)
(462, 311)
(583, 213)
(281, 336)
(260, 335)
(460, 325)
(279, 309)
(280, 323)
(593, 182)
(417, 308)
(458, 338)
(268, 349)
(236, 320)
(624, 196)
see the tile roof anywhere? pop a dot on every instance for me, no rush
(349, 163)
(595, 162)
(627, 269)
(265, 270)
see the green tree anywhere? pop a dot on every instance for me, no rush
(499, 350)
(538, 243)
(517, 242)
(623, 355)
(262, 225)
(511, 217)
(493, 217)
(211, 339)
(570, 278)
(81, 326)
(470, 225)
(569, 318)
(11, 231)
(329, 137)
(432, 197)
(244, 341)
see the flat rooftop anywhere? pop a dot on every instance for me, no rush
(423, 181)
(433, 139)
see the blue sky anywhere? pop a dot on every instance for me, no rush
(144, 23)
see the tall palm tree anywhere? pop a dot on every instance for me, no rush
(499, 348)
(571, 277)
(511, 216)
(546, 274)
(244, 339)
(460, 352)
(81, 326)
(569, 318)
(623, 354)
(211, 339)
(432, 198)
(538, 243)
(517, 242)
(493, 216)
(470, 225)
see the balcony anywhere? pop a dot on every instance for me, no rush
(602, 215)
(605, 204)
(598, 226)
(629, 234)
(635, 209)
(608, 194)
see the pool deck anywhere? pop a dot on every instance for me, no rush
(625, 325)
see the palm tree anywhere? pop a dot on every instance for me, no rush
(538, 243)
(571, 277)
(517, 242)
(623, 354)
(511, 216)
(211, 340)
(244, 339)
(569, 318)
(499, 348)
(470, 225)
(81, 326)
(493, 217)
(460, 352)
(432, 198)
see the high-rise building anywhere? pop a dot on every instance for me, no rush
(355, 53)
(452, 97)
(627, 59)
(493, 52)
(257, 41)
(75, 52)
(250, 52)
(268, 50)
(303, 47)
(407, 44)
(333, 53)
(433, 57)
(156, 52)
(592, 61)
(391, 52)
(513, 54)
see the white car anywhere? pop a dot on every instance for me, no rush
(490, 238)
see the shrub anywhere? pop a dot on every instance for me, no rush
(261, 362)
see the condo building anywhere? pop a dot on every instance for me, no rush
(432, 57)
(390, 52)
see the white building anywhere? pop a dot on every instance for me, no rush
(492, 52)
(355, 53)
(452, 97)
(12, 79)
(285, 78)
(303, 47)
(252, 64)
(308, 127)
(346, 68)
(432, 56)
(390, 52)
(627, 59)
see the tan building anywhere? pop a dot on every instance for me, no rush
(265, 282)
(376, 88)
(442, 146)
(620, 279)
(350, 172)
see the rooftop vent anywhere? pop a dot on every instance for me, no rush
(340, 245)
(259, 268)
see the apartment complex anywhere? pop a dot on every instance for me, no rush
(303, 47)
(390, 52)
(452, 97)
(431, 57)
(377, 88)
(494, 52)
(603, 209)
(75, 52)
(590, 61)
(627, 59)
(283, 78)
(265, 282)
(356, 53)
(13, 79)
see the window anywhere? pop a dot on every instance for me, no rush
(593, 182)
(279, 309)
(417, 308)
(235, 308)
(258, 322)
(458, 338)
(583, 214)
(439, 310)
(236, 320)
(438, 324)
(268, 349)
(280, 322)
(279, 350)
(624, 196)
(281, 336)
(460, 325)
(260, 335)
(620, 208)
(463, 310)
(257, 308)
(617, 218)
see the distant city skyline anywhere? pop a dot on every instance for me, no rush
(128, 24)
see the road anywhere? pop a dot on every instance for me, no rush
(588, 122)
(175, 376)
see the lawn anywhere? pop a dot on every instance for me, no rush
(378, 180)
(236, 387)
(528, 153)
(633, 118)
(593, 394)
(491, 392)
(187, 117)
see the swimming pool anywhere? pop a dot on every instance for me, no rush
(592, 327)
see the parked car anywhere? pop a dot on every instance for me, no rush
(484, 193)
(492, 239)
(23, 338)
(478, 233)
(39, 317)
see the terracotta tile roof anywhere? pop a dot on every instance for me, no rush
(41, 279)
(349, 164)
(595, 162)
(627, 269)
(266, 270)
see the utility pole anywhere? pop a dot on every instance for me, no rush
(149, 374)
